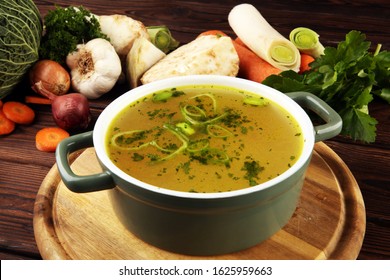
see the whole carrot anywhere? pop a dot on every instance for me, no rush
(213, 32)
(240, 42)
(306, 59)
(252, 67)
(37, 100)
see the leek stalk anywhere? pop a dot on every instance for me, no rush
(162, 38)
(186, 128)
(265, 41)
(307, 41)
(254, 101)
(195, 120)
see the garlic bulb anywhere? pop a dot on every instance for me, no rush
(94, 68)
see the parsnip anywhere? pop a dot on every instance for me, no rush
(258, 35)
(143, 55)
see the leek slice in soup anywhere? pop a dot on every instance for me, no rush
(204, 139)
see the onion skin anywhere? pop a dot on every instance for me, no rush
(71, 112)
(52, 75)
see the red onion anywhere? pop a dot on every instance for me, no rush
(70, 111)
(52, 75)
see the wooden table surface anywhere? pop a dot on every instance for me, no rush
(23, 167)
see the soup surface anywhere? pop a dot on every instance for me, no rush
(204, 139)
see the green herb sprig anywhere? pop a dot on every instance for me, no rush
(65, 28)
(347, 78)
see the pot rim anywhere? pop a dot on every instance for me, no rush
(106, 117)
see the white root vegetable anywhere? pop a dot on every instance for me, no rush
(94, 68)
(202, 56)
(122, 31)
(143, 55)
(258, 35)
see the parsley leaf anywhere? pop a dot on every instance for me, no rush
(253, 170)
(64, 29)
(362, 123)
(347, 78)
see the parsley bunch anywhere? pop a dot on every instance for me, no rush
(347, 78)
(65, 28)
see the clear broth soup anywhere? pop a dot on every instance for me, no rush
(204, 139)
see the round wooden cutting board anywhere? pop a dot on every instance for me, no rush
(329, 222)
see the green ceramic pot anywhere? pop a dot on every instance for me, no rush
(201, 223)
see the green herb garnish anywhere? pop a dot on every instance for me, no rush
(137, 157)
(253, 170)
(347, 78)
(65, 28)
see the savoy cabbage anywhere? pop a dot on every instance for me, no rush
(20, 35)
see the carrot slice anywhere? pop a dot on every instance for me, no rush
(37, 100)
(47, 139)
(6, 125)
(18, 112)
(306, 59)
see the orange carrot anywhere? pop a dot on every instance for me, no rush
(253, 67)
(239, 41)
(37, 100)
(18, 112)
(6, 125)
(1, 103)
(212, 32)
(47, 139)
(305, 61)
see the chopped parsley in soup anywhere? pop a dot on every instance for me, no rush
(204, 139)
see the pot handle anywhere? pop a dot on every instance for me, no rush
(333, 122)
(76, 183)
